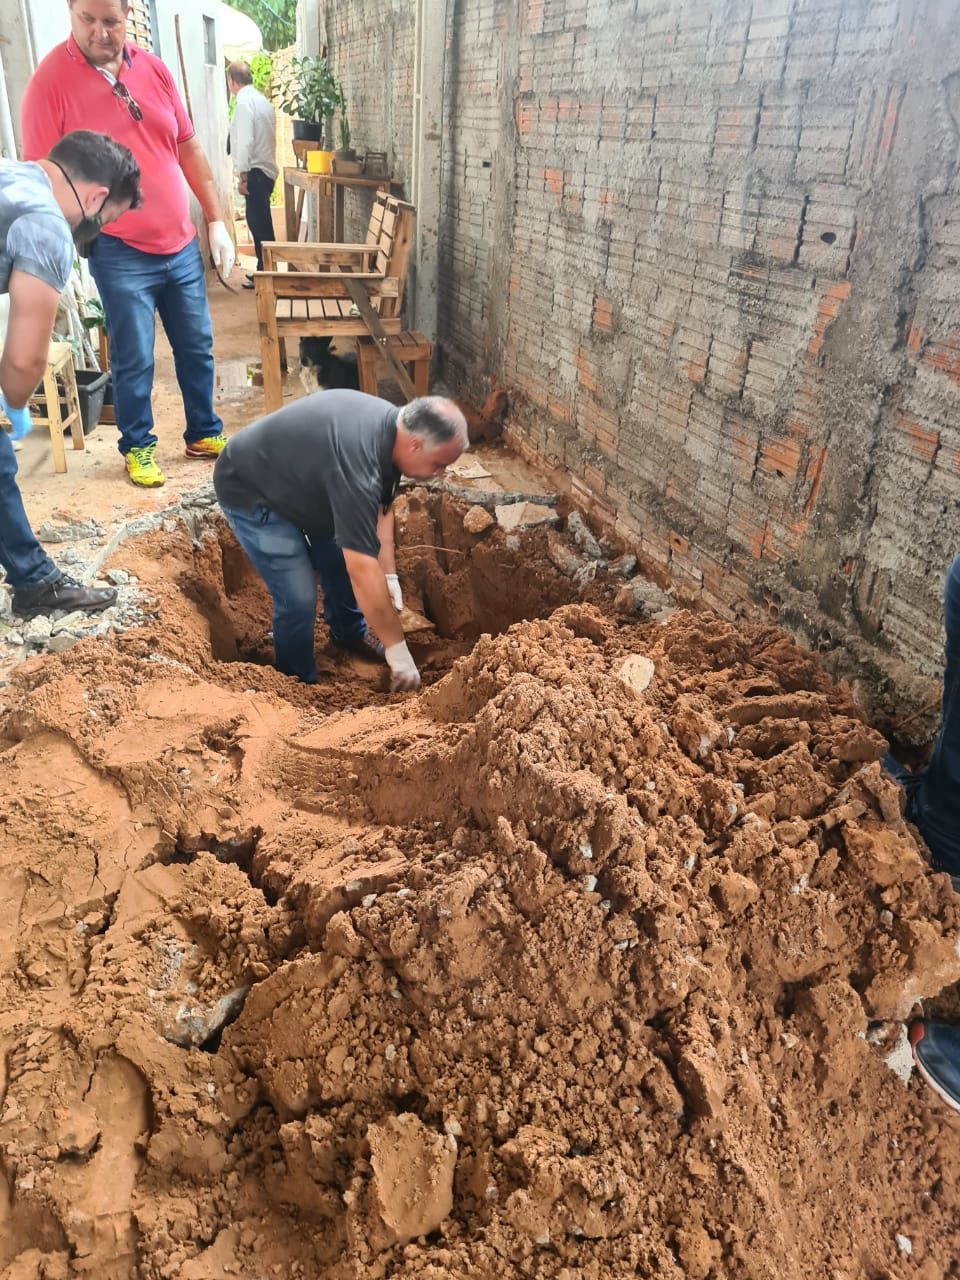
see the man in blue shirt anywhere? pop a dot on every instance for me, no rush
(46, 209)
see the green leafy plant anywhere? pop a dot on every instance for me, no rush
(310, 92)
(261, 68)
(93, 314)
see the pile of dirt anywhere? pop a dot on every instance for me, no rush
(588, 962)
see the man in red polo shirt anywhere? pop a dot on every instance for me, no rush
(148, 261)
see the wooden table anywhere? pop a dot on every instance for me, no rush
(327, 191)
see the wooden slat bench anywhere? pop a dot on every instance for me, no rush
(326, 288)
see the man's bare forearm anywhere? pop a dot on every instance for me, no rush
(19, 379)
(385, 532)
(199, 176)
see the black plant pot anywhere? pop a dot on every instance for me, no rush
(91, 389)
(307, 131)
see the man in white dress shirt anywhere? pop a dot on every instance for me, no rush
(253, 150)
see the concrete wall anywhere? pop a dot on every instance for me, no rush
(714, 251)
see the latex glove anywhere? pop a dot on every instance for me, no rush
(396, 595)
(221, 248)
(20, 420)
(404, 676)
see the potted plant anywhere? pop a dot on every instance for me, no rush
(310, 95)
(344, 151)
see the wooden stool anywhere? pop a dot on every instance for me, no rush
(412, 349)
(60, 367)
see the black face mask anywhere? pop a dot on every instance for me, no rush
(88, 228)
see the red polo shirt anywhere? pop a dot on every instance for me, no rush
(66, 93)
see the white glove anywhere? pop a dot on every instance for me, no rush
(396, 595)
(404, 675)
(221, 248)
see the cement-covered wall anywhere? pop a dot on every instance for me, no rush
(714, 250)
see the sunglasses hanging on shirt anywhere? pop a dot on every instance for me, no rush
(121, 91)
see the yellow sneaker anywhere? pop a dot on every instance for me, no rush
(208, 447)
(142, 469)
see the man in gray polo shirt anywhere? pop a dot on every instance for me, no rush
(45, 209)
(308, 492)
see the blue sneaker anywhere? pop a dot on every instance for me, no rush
(936, 1052)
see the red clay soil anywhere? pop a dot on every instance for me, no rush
(534, 974)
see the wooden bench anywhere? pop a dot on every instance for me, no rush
(414, 350)
(333, 290)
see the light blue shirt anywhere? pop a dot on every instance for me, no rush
(35, 237)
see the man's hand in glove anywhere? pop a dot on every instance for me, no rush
(20, 420)
(396, 595)
(404, 676)
(221, 248)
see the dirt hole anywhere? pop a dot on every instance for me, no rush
(461, 585)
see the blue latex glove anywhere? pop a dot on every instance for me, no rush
(20, 421)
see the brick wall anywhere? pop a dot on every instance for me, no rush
(714, 250)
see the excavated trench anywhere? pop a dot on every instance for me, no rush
(457, 587)
(589, 961)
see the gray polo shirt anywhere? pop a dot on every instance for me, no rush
(35, 237)
(325, 463)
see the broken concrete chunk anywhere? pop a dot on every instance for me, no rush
(69, 530)
(523, 515)
(623, 566)
(563, 557)
(191, 1025)
(636, 672)
(468, 469)
(61, 642)
(641, 596)
(37, 630)
(578, 529)
(478, 520)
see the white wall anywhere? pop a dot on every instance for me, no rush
(208, 92)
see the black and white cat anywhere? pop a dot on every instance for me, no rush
(323, 369)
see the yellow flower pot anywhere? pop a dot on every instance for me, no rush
(319, 161)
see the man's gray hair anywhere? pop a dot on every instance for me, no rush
(435, 419)
(240, 73)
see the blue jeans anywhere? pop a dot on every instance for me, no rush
(935, 803)
(135, 287)
(26, 563)
(290, 563)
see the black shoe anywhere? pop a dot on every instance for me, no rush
(247, 284)
(64, 595)
(366, 646)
